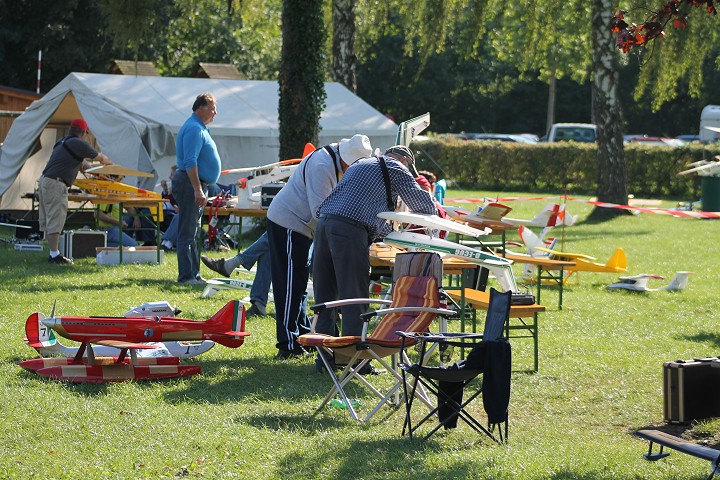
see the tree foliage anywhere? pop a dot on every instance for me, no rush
(71, 35)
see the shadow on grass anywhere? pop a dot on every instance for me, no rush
(255, 378)
(704, 337)
(363, 458)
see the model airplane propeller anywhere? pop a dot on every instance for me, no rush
(128, 335)
(639, 283)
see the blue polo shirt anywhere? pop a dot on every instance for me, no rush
(195, 147)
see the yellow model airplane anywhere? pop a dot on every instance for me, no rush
(536, 247)
(584, 263)
(99, 183)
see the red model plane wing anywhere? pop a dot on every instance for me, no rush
(121, 345)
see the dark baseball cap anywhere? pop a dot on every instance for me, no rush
(402, 151)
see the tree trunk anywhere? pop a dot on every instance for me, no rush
(302, 91)
(343, 45)
(550, 119)
(612, 174)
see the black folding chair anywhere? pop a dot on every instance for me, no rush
(490, 356)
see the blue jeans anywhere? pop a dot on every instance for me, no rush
(189, 218)
(113, 237)
(258, 252)
(171, 234)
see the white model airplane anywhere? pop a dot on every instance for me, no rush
(403, 238)
(13, 225)
(490, 215)
(410, 129)
(248, 187)
(639, 283)
(49, 345)
(214, 285)
(704, 167)
(553, 215)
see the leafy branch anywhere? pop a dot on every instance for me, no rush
(676, 11)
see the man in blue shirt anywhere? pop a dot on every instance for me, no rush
(198, 165)
(348, 224)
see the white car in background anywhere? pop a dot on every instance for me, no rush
(577, 132)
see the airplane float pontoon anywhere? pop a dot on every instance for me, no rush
(639, 283)
(500, 267)
(127, 335)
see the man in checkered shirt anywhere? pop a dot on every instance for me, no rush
(348, 224)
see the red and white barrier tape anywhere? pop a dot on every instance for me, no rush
(659, 211)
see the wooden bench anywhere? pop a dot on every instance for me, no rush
(666, 440)
(480, 300)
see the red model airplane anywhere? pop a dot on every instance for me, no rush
(128, 334)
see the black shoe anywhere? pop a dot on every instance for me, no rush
(254, 311)
(60, 260)
(215, 264)
(284, 354)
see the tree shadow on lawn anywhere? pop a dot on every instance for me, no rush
(256, 379)
(704, 337)
(395, 458)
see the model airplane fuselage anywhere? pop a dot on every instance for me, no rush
(490, 216)
(129, 334)
(639, 283)
(225, 327)
(44, 340)
(249, 193)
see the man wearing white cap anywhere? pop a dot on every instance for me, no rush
(291, 221)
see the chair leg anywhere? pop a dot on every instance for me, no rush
(338, 383)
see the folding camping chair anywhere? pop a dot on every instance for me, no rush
(415, 304)
(490, 356)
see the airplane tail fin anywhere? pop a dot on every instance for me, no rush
(618, 261)
(37, 335)
(230, 323)
(530, 240)
(679, 282)
(309, 148)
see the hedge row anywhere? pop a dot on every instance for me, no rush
(652, 171)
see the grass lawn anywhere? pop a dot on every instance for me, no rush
(250, 416)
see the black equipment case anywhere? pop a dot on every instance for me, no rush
(691, 389)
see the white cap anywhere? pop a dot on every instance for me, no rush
(355, 148)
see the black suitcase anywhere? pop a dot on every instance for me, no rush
(691, 389)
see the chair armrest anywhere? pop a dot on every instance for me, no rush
(440, 337)
(384, 311)
(319, 307)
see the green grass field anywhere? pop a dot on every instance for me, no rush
(250, 416)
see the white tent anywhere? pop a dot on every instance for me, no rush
(135, 120)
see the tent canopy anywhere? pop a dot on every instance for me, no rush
(135, 119)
